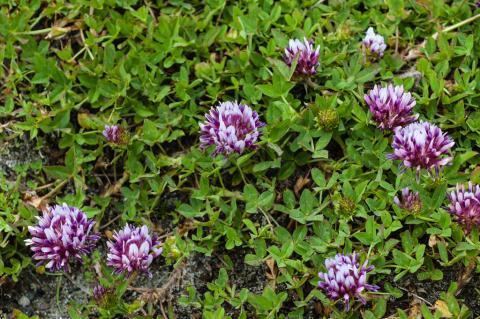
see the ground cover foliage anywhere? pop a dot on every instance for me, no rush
(317, 183)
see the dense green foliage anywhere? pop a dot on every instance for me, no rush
(310, 190)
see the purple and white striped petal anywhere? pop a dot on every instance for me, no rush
(115, 134)
(345, 279)
(62, 233)
(409, 201)
(374, 43)
(307, 56)
(132, 250)
(231, 127)
(391, 106)
(465, 205)
(421, 145)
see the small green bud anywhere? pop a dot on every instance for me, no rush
(170, 248)
(347, 206)
(327, 119)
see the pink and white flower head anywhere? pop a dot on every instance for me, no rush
(63, 233)
(421, 145)
(115, 134)
(99, 292)
(409, 201)
(465, 205)
(345, 279)
(374, 43)
(391, 106)
(231, 127)
(307, 57)
(132, 250)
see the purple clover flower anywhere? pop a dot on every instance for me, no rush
(345, 279)
(103, 296)
(465, 205)
(374, 43)
(231, 127)
(114, 134)
(99, 292)
(421, 145)
(133, 249)
(62, 233)
(409, 201)
(391, 106)
(305, 53)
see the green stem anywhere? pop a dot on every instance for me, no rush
(219, 174)
(35, 32)
(457, 25)
(241, 173)
(340, 143)
(312, 84)
(424, 218)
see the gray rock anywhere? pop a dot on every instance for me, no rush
(24, 301)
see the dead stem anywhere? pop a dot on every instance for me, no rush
(416, 296)
(465, 276)
(159, 294)
(55, 190)
(115, 188)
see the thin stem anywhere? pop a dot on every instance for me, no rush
(415, 51)
(155, 202)
(85, 45)
(115, 188)
(111, 113)
(163, 311)
(268, 217)
(241, 173)
(424, 218)
(35, 32)
(110, 222)
(416, 296)
(306, 88)
(397, 37)
(76, 106)
(370, 250)
(219, 174)
(312, 84)
(456, 25)
(55, 190)
(77, 54)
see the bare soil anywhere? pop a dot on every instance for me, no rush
(36, 294)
